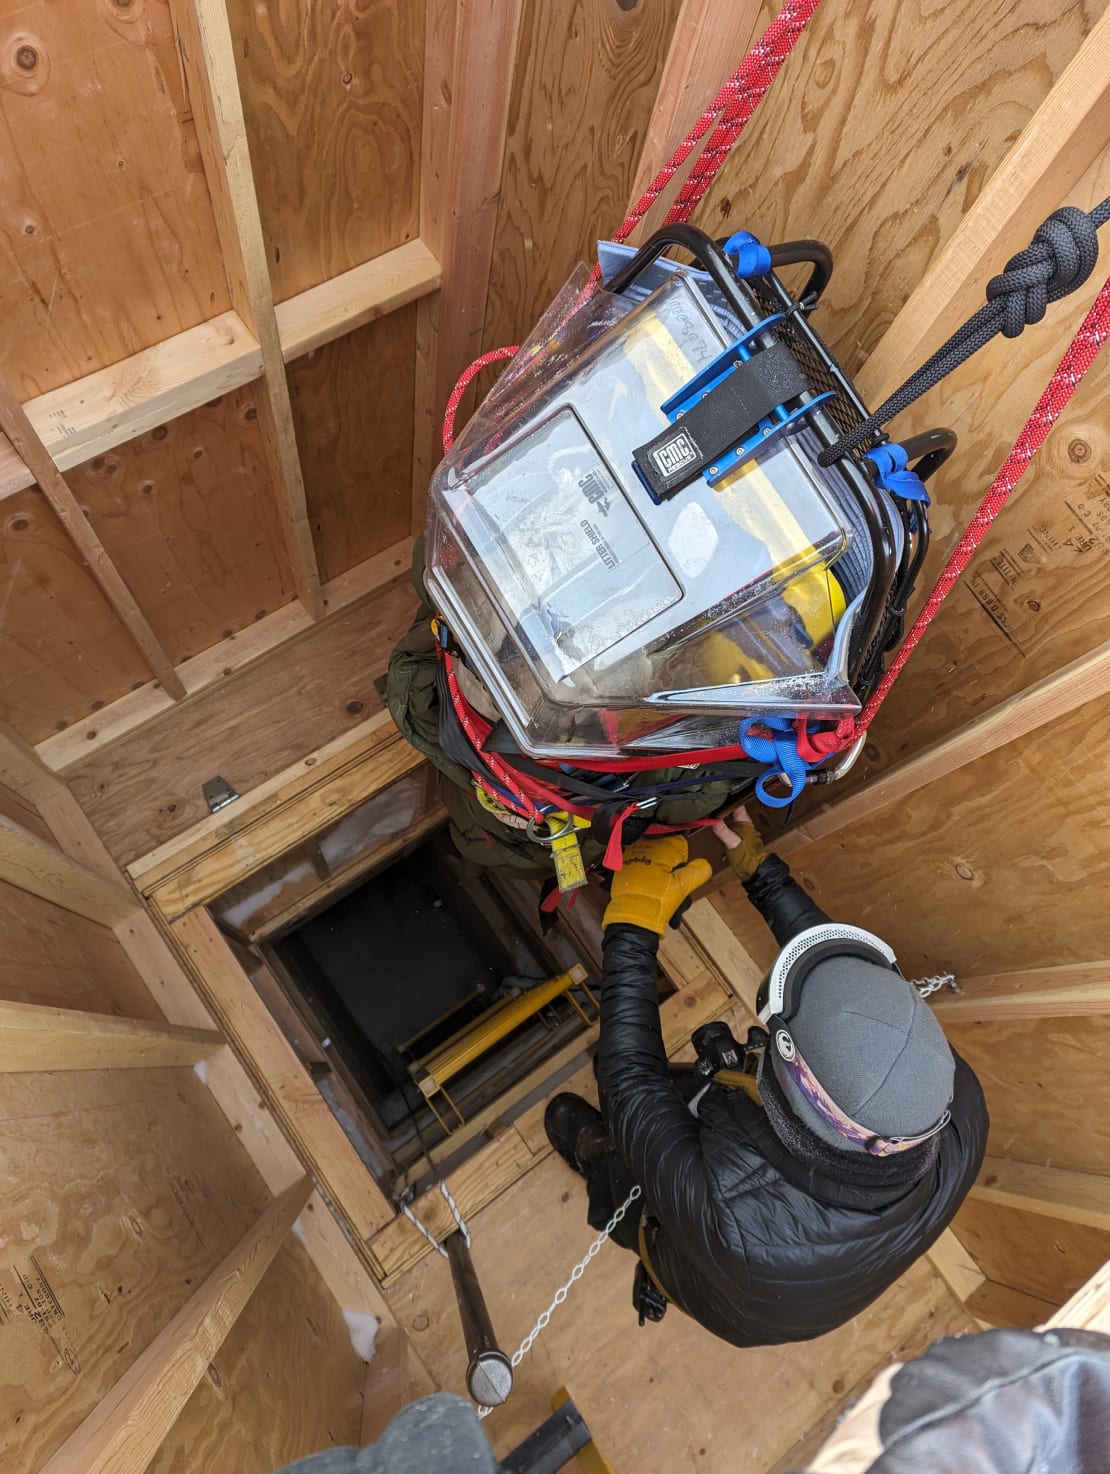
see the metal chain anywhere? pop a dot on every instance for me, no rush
(561, 1293)
(926, 987)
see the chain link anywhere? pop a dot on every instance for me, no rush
(926, 987)
(561, 1293)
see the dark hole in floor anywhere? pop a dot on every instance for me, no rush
(400, 966)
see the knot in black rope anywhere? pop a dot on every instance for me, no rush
(1063, 253)
(1060, 258)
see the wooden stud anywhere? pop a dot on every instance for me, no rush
(734, 964)
(230, 657)
(1065, 135)
(52, 484)
(1077, 683)
(1089, 1308)
(1073, 1197)
(122, 1433)
(283, 1081)
(33, 865)
(359, 296)
(204, 39)
(37, 1038)
(956, 1266)
(707, 43)
(23, 770)
(1072, 991)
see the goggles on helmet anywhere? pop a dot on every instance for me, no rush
(781, 988)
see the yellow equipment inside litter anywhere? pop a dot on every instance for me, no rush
(432, 1072)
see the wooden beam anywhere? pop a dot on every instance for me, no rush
(1089, 1308)
(23, 770)
(1072, 1197)
(1072, 686)
(470, 54)
(104, 409)
(37, 1038)
(52, 484)
(282, 1080)
(708, 41)
(123, 1432)
(1063, 138)
(339, 306)
(733, 963)
(199, 865)
(204, 40)
(14, 475)
(220, 662)
(1072, 991)
(956, 1266)
(33, 865)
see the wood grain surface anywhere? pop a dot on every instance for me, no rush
(332, 98)
(186, 513)
(1041, 1256)
(353, 408)
(147, 788)
(108, 243)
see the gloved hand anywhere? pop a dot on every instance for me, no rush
(743, 844)
(657, 877)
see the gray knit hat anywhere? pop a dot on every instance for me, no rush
(874, 1046)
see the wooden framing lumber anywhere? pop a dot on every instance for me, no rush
(732, 961)
(350, 301)
(1072, 686)
(33, 865)
(91, 415)
(707, 42)
(36, 1038)
(222, 661)
(1089, 1308)
(1065, 135)
(956, 1266)
(52, 484)
(204, 39)
(225, 848)
(1071, 991)
(122, 1433)
(1072, 1197)
(282, 1079)
(1000, 1307)
(23, 770)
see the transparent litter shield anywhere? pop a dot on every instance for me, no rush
(594, 616)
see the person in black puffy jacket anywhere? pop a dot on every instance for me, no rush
(777, 1211)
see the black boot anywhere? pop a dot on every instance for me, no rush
(567, 1120)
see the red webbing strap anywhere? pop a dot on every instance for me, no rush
(1083, 351)
(731, 110)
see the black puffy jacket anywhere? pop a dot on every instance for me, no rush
(756, 1245)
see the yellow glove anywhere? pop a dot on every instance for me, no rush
(743, 844)
(654, 882)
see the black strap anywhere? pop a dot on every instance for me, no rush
(1063, 253)
(723, 417)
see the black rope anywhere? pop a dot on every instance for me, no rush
(1061, 257)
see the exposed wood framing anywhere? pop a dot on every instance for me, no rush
(33, 865)
(23, 771)
(204, 38)
(227, 847)
(1001, 1307)
(707, 43)
(956, 1266)
(1074, 1197)
(122, 1433)
(52, 484)
(1073, 686)
(1063, 138)
(469, 56)
(1088, 1308)
(222, 661)
(38, 1038)
(283, 1081)
(1071, 991)
(716, 941)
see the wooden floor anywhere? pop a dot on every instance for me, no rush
(665, 1398)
